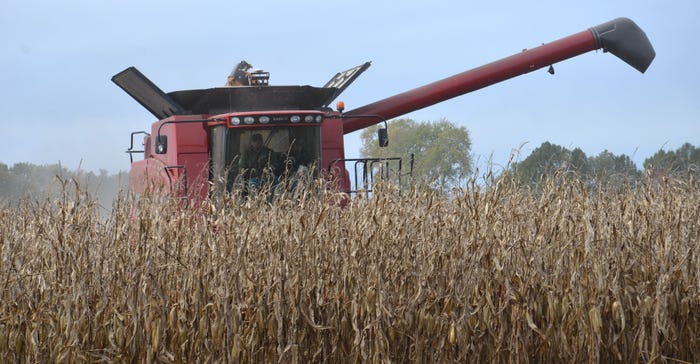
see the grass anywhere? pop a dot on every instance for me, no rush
(492, 273)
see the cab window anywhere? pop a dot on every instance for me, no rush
(272, 153)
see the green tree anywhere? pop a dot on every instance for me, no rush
(578, 162)
(604, 169)
(548, 159)
(685, 159)
(616, 170)
(441, 149)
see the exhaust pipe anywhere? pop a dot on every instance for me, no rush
(623, 38)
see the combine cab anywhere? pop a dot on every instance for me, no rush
(248, 132)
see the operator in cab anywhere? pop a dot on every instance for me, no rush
(258, 162)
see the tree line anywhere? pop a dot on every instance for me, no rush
(39, 182)
(606, 168)
(442, 153)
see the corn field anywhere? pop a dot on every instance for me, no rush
(491, 273)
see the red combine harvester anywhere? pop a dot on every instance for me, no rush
(249, 131)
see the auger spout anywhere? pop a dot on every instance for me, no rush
(623, 38)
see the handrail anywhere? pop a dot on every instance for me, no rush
(367, 181)
(131, 150)
(183, 178)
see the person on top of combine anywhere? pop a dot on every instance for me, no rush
(240, 75)
(257, 162)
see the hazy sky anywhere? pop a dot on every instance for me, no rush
(57, 57)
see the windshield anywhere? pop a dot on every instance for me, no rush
(271, 154)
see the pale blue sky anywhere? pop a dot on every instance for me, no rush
(57, 58)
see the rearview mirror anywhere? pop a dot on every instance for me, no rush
(161, 144)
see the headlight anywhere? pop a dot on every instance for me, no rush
(235, 121)
(248, 119)
(295, 118)
(264, 119)
(319, 118)
(308, 118)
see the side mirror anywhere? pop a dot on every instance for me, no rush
(383, 136)
(161, 144)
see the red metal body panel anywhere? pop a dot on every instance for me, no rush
(333, 148)
(515, 65)
(187, 154)
(146, 176)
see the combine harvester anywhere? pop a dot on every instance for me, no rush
(199, 144)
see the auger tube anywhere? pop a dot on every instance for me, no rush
(621, 37)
